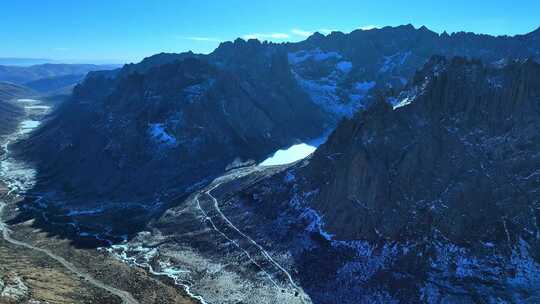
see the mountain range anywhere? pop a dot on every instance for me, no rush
(431, 196)
(48, 77)
(199, 113)
(427, 196)
(17, 61)
(426, 190)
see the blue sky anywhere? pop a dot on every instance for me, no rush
(122, 30)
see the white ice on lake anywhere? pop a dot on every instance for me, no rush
(293, 153)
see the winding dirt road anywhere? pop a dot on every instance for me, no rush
(246, 237)
(126, 297)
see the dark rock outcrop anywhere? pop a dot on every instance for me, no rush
(466, 142)
(429, 197)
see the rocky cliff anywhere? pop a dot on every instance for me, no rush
(431, 196)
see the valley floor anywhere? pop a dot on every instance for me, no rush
(28, 275)
(196, 242)
(38, 268)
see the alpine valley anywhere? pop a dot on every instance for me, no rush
(148, 183)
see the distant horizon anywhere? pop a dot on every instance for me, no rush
(24, 61)
(96, 61)
(126, 31)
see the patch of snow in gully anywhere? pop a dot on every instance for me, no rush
(44, 108)
(28, 100)
(157, 132)
(344, 66)
(28, 126)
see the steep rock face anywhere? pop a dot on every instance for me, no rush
(428, 197)
(465, 142)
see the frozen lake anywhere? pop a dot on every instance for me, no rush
(287, 156)
(293, 153)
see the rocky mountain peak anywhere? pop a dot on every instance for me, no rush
(316, 37)
(535, 33)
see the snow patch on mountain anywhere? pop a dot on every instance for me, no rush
(527, 270)
(367, 263)
(196, 91)
(324, 77)
(86, 212)
(327, 94)
(400, 103)
(313, 219)
(344, 66)
(158, 133)
(135, 253)
(360, 90)
(406, 97)
(495, 82)
(315, 54)
(394, 61)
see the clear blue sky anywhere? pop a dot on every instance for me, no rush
(122, 30)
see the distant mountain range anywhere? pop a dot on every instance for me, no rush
(14, 61)
(27, 74)
(55, 80)
(49, 77)
(19, 61)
